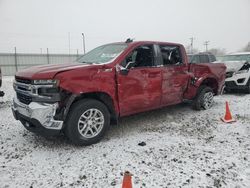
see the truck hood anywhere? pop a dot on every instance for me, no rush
(233, 66)
(48, 71)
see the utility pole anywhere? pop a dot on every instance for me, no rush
(206, 43)
(69, 41)
(192, 44)
(48, 55)
(16, 60)
(83, 42)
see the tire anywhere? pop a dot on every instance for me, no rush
(204, 98)
(86, 115)
(248, 87)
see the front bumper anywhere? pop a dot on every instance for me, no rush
(37, 117)
(238, 81)
(234, 85)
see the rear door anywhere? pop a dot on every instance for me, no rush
(140, 89)
(174, 75)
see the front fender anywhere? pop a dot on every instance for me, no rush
(93, 80)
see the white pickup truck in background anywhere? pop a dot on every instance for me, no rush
(1, 92)
(238, 71)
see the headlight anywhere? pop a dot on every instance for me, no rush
(242, 71)
(46, 88)
(46, 82)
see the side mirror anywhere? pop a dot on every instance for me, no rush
(124, 70)
(129, 64)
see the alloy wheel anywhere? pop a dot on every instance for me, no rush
(91, 123)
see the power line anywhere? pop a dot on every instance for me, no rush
(206, 43)
(69, 41)
(192, 43)
(83, 42)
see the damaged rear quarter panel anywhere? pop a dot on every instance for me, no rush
(215, 71)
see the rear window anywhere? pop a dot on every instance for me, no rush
(212, 58)
(204, 59)
(193, 59)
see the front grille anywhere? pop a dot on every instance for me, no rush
(24, 98)
(23, 81)
(230, 84)
(229, 74)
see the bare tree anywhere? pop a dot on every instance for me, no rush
(191, 50)
(218, 51)
(246, 48)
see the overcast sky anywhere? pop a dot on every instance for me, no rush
(34, 25)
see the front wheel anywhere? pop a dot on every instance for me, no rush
(204, 98)
(87, 122)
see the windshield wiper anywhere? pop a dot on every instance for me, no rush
(85, 62)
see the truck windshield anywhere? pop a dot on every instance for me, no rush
(102, 54)
(245, 57)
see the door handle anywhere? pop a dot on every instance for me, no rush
(152, 75)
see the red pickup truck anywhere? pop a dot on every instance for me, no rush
(111, 81)
(1, 92)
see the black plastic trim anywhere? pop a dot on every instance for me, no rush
(35, 126)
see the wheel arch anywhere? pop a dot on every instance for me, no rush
(210, 82)
(102, 97)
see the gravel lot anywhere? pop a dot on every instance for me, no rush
(184, 148)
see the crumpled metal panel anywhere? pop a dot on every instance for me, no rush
(44, 113)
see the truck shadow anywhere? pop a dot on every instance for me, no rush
(177, 119)
(126, 126)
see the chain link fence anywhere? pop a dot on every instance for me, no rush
(10, 63)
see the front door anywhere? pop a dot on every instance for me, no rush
(140, 89)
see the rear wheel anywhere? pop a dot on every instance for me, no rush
(87, 122)
(204, 98)
(248, 87)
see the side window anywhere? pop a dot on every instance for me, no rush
(142, 56)
(204, 59)
(195, 59)
(171, 55)
(212, 58)
(248, 58)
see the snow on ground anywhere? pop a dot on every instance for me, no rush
(184, 148)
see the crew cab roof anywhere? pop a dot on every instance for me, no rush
(135, 43)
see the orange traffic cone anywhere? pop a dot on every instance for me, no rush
(228, 116)
(127, 180)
